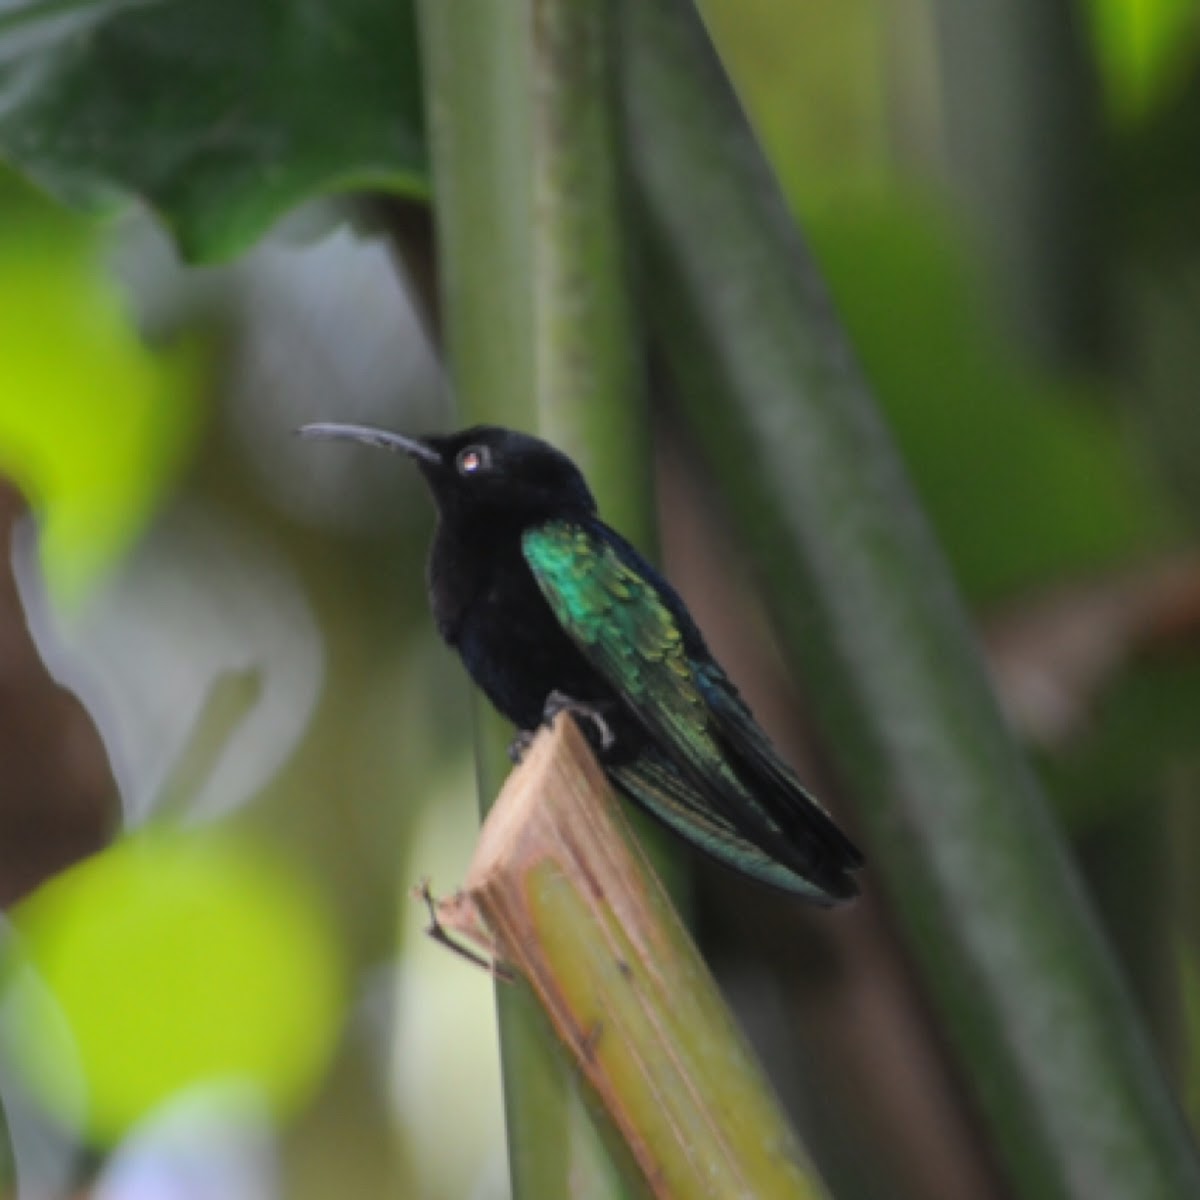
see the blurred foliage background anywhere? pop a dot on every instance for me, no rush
(229, 741)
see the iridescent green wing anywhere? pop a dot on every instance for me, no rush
(621, 624)
(712, 774)
(616, 617)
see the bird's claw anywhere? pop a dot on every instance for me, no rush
(559, 702)
(519, 746)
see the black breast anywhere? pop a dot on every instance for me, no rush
(487, 605)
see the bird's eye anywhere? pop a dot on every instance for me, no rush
(474, 459)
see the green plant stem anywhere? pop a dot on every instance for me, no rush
(586, 357)
(588, 360)
(539, 336)
(476, 67)
(958, 831)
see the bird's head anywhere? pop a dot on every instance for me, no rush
(483, 471)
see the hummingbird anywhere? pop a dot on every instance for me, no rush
(552, 611)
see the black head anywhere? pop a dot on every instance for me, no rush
(484, 471)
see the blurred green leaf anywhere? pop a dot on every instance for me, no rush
(94, 426)
(1144, 47)
(165, 961)
(1142, 729)
(825, 128)
(219, 114)
(1025, 475)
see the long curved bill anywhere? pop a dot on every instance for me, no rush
(369, 436)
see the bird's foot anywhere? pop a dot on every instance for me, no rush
(559, 702)
(519, 746)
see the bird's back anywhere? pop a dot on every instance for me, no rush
(701, 763)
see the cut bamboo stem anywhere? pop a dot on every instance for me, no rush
(570, 903)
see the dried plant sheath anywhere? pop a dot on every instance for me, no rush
(572, 904)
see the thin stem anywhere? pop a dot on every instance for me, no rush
(588, 359)
(538, 330)
(476, 65)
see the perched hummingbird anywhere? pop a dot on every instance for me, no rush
(552, 610)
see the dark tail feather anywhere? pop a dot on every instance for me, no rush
(789, 805)
(773, 783)
(654, 783)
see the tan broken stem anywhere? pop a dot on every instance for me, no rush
(570, 903)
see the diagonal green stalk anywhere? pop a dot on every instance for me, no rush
(958, 831)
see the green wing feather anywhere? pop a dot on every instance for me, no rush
(620, 622)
